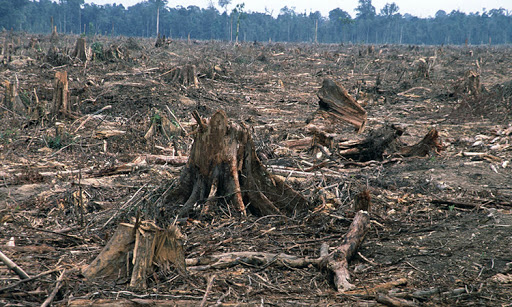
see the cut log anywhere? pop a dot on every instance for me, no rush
(337, 104)
(337, 261)
(223, 165)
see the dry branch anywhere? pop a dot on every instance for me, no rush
(338, 260)
(13, 266)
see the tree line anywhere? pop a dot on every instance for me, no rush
(227, 22)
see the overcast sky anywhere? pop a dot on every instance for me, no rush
(420, 8)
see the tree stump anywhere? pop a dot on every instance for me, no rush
(136, 250)
(80, 51)
(60, 104)
(185, 75)
(429, 143)
(12, 100)
(223, 165)
(337, 104)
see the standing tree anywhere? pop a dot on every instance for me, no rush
(390, 14)
(338, 19)
(365, 14)
(238, 13)
(224, 4)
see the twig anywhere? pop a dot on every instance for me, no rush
(14, 285)
(124, 206)
(176, 119)
(13, 266)
(208, 289)
(50, 298)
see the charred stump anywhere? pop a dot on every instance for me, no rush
(429, 143)
(374, 145)
(337, 104)
(223, 166)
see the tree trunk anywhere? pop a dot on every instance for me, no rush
(223, 166)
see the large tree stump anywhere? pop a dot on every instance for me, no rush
(337, 104)
(185, 75)
(223, 165)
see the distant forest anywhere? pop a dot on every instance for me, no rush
(229, 22)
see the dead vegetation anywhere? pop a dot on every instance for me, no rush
(202, 173)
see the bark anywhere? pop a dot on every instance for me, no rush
(223, 165)
(337, 104)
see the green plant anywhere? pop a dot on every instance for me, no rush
(8, 135)
(97, 50)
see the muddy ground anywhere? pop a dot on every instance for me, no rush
(441, 224)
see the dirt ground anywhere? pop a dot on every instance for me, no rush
(440, 225)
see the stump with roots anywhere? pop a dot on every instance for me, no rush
(223, 166)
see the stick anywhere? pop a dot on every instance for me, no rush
(14, 285)
(208, 289)
(50, 298)
(13, 266)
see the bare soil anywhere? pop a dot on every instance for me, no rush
(441, 225)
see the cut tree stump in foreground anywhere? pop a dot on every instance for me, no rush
(337, 104)
(134, 250)
(223, 166)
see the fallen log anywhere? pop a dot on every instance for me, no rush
(337, 261)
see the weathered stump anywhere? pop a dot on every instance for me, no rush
(80, 51)
(337, 104)
(223, 165)
(135, 251)
(61, 106)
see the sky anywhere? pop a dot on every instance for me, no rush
(418, 8)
